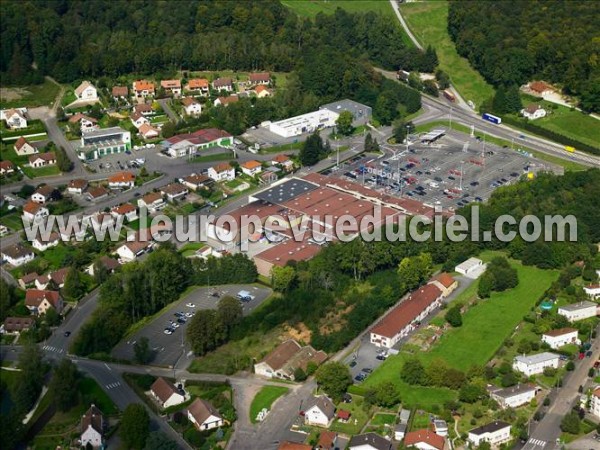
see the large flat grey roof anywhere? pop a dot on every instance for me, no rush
(538, 358)
(512, 391)
(358, 110)
(285, 191)
(578, 306)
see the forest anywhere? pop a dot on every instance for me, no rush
(68, 39)
(515, 42)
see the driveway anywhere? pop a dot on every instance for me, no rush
(164, 104)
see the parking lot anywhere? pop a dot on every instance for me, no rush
(121, 161)
(452, 172)
(168, 348)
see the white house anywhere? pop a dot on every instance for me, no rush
(496, 433)
(44, 194)
(171, 86)
(191, 106)
(138, 119)
(39, 301)
(143, 88)
(85, 123)
(166, 394)
(130, 251)
(126, 210)
(424, 440)
(152, 202)
(23, 148)
(121, 180)
(15, 118)
(34, 212)
(223, 84)
(534, 364)
(320, 413)
(148, 131)
(533, 112)
(92, 428)
(6, 168)
(16, 255)
(221, 172)
(305, 123)
(440, 427)
(204, 416)
(369, 441)
(595, 403)
(200, 85)
(593, 290)
(514, 396)
(251, 168)
(44, 244)
(557, 338)
(174, 191)
(469, 267)
(399, 431)
(86, 91)
(77, 186)
(578, 311)
(42, 160)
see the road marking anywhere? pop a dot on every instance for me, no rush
(113, 385)
(106, 365)
(537, 442)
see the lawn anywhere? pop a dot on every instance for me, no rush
(428, 21)
(264, 399)
(310, 8)
(41, 172)
(29, 96)
(93, 393)
(383, 419)
(57, 255)
(215, 157)
(357, 420)
(12, 221)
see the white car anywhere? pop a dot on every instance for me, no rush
(167, 331)
(189, 314)
(174, 324)
(190, 305)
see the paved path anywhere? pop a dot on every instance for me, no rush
(164, 103)
(396, 8)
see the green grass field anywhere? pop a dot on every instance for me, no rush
(41, 172)
(485, 326)
(310, 8)
(29, 96)
(12, 221)
(358, 414)
(265, 398)
(428, 22)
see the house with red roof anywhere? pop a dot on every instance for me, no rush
(445, 283)
(188, 144)
(42, 160)
(34, 212)
(23, 147)
(172, 87)
(191, 106)
(6, 168)
(121, 180)
(251, 168)
(39, 301)
(198, 85)
(143, 88)
(126, 210)
(424, 440)
(263, 91)
(224, 101)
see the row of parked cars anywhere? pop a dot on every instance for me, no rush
(180, 319)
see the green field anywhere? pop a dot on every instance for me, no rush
(265, 398)
(41, 172)
(310, 8)
(215, 157)
(29, 96)
(485, 327)
(428, 22)
(358, 414)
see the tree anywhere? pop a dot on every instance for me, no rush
(442, 78)
(312, 150)
(142, 351)
(470, 393)
(571, 423)
(400, 130)
(52, 317)
(135, 426)
(484, 445)
(413, 372)
(509, 379)
(168, 130)
(63, 162)
(430, 88)
(74, 287)
(513, 99)
(454, 317)
(386, 394)
(282, 278)
(334, 378)
(157, 440)
(414, 81)
(205, 331)
(229, 312)
(63, 385)
(570, 366)
(371, 145)
(344, 123)
(29, 384)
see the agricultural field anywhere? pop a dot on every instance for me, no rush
(428, 22)
(29, 96)
(310, 8)
(264, 399)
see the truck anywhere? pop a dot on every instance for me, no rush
(491, 118)
(449, 96)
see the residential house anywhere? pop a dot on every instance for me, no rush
(152, 202)
(42, 160)
(92, 428)
(289, 445)
(204, 416)
(190, 143)
(259, 78)
(534, 364)
(85, 123)
(39, 301)
(15, 119)
(97, 193)
(148, 131)
(223, 84)
(469, 267)
(284, 161)
(327, 440)
(34, 212)
(496, 433)
(6, 168)
(23, 148)
(406, 316)
(514, 396)
(445, 283)
(579, 311)
(251, 168)
(77, 186)
(224, 101)
(45, 194)
(16, 255)
(424, 440)
(199, 85)
(144, 109)
(320, 412)
(343, 416)
(110, 264)
(191, 106)
(195, 181)
(42, 282)
(86, 91)
(440, 427)
(595, 402)
(174, 191)
(14, 325)
(286, 359)
(263, 91)
(126, 210)
(172, 87)
(166, 394)
(268, 176)
(143, 88)
(120, 92)
(370, 441)
(533, 112)
(221, 172)
(540, 88)
(121, 180)
(593, 290)
(28, 280)
(44, 244)
(130, 251)
(59, 276)
(563, 336)
(138, 119)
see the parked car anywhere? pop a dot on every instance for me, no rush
(190, 305)
(67, 333)
(352, 364)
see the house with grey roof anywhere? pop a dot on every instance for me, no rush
(534, 364)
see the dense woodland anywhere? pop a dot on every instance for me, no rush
(512, 42)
